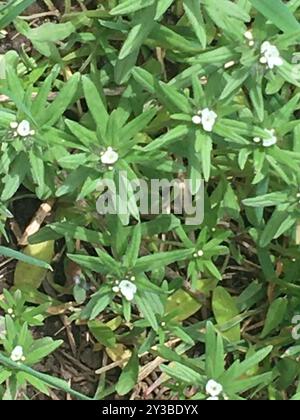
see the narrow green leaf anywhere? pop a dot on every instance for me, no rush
(95, 104)
(183, 373)
(134, 247)
(172, 136)
(278, 13)
(152, 262)
(194, 14)
(275, 316)
(13, 10)
(214, 352)
(225, 310)
(128, 6)
(276, 221)
(63, 100)
(129, 375)
(143, 25)
(10, 253)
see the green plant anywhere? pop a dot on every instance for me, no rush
(116, 94)
(240, 377)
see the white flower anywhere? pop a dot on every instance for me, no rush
(208, 119)
(249, 36)
(22, 129)
(17, 354)
(229, 64)
(109, 157)
(127, 289)
(197, 119)
(270, 55)
(213, 388)
(199, 253)
(270, 141)
(14, 125)
(212, 399)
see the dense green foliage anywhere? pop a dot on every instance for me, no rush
(189, 89)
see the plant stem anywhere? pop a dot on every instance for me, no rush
(67, 6)
(50, 5)
(49, 380)
(40, 15)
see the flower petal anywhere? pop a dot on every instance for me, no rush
(24, 129)
(196, 119)
(17, 354)
(128, 289)
(213, 388)
(109, 157)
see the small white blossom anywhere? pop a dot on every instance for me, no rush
(229, 64)
(17, 354)
(213, 388)
(208, 119)
(270, 55)
(197, 119)
(249, 36)
(22, 129)
(77, 280)
(14, 125)
(204, 80)
(128, 289)
(109, 157)
(270, 141)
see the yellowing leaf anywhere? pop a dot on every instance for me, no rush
(225, 310)
(119, 353)
(182, 304)
(27, 275)
(114, 323)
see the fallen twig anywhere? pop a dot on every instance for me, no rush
(37, 221)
